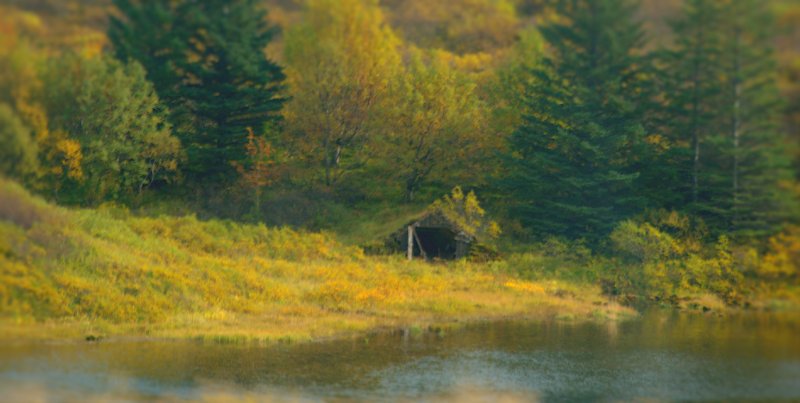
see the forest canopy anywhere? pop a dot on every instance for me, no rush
(567, 117)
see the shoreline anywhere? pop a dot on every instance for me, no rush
(78, 332)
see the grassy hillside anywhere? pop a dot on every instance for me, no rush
(77, 272)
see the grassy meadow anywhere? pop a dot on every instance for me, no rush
(73, 273)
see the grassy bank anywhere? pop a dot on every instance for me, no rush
(72, 273)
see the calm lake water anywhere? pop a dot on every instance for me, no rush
(663, 356)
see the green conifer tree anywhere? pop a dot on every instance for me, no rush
(758, 162)
(572, 163)
(693, 95)
(207, 62)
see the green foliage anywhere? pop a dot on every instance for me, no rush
(114, 114)
(206, 60)
(759, 156)
(507, 90)
(559, 259)
(572, 164)
(693, 94)
(729, 158)
(17, 149)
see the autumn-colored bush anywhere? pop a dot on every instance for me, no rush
(782, 260)
(465, 210)
(663, 257)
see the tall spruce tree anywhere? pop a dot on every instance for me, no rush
(693, 98)
(758, 162)
(207, 62)
(724, 117)
(572, 162)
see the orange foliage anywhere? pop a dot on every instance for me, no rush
(258, 171)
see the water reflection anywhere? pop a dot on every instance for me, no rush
(662, 356)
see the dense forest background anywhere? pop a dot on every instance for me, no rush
(565, 117)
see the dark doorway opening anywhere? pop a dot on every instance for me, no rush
(437, 242)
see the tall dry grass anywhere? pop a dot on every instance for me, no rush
(107, 271)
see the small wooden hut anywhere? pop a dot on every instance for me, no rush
(432, 236)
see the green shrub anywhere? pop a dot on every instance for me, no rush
(559, 259)
(17, 148)
(665, 265)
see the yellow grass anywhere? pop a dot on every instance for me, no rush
(72, 273)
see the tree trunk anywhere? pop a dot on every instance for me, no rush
(257, 204)
(736, 121)
(411, 186)
(409, 194)
(696, 117)
(332, 159)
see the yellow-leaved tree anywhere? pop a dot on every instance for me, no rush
(462, 26)
(342, 60)
(22, 89)
(439, 123)
(465, 210)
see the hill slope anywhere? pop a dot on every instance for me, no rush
(74, 272)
